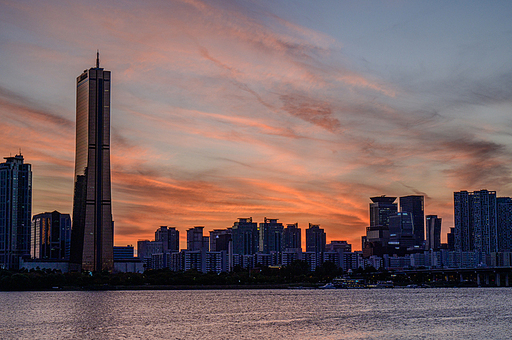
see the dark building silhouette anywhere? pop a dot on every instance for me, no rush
(401, 232)
(170, 238)
(51, 236)
(271, 236)
(196, 240)
(450, 239)
(15, 211)
(92, 233)
(476, 227)
(377, 234)
(504, 207)
(245, 237)
(433, 231)
(292, 236)
(414, 204)
(380, 209)
(315, 239)
(146, 248)
(220, 239)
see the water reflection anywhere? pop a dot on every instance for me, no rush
(258, 314)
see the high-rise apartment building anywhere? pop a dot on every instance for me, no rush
(315, 239)
(245, 237)
(433, 228)
(292, 236)
(170, 238)
(92, 227)
(196, 240)
(271, 236)
(414, 204)
(15, 211)
(220, 239)
(463, 229)
(504, 210)
(51, 236)
(475, 217)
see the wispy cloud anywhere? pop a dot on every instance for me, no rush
(225, 109)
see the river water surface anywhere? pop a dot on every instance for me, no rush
(443, 313)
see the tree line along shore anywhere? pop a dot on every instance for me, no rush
(295, 275)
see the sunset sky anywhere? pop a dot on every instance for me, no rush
(297, 110)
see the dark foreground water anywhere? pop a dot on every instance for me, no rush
(459, 313)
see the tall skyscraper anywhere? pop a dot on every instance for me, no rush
(92, 235)
(414, 204)
(433, 228)
(315, 239)
(15, 211)
(475, 217)
(51, 236)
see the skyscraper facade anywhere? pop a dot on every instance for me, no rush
(401, 234)
(92, 227)
(475, 217)
(504, 208)
(15, 211)
(414, 204)
(377, 234)
(433, 231)
(463, 229)
(380, 209)
(51, 236)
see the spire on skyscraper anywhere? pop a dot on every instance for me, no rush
(97, 58)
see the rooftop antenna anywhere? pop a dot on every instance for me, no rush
(97, 58)
(20, 151)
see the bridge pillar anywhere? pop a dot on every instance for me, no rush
(498, 279)
(478, 279)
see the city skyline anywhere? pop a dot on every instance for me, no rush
(224, 110)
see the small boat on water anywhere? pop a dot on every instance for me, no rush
(349, 283)
(329, 285)
(385, 284)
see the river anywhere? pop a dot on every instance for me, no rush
(442, 313)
